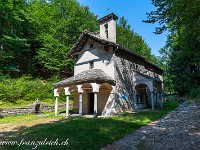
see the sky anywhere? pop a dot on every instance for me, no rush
(134, 11)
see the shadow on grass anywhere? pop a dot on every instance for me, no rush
(82, 133)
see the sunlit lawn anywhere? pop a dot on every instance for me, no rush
(82, 133)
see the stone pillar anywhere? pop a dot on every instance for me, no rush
(161, 101)
(56, 106)
(67, 93)
(95, 88)
(151, 88)
(67, 105)
(80, 104)
(135, 99)
(80, 91)
(155, 98)
(56, 94)
(95, 104)
(152, 101)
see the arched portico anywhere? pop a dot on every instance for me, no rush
(148, 94)
(90, 95)
(142, 96)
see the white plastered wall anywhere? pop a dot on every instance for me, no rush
(102, 59)
(111, 30)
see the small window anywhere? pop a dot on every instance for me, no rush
(106, 48)
(106, 30)
(91, 45)
(91, 64)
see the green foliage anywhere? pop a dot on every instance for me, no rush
(181, 18)
(194, 93)
(26, 90)
(36, 35)
(61, 23)
(131, 40)
(14, 43)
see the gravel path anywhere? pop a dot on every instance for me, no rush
(179, 130)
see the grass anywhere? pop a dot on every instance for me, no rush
(82, 133)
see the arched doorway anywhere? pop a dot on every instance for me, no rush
(142, 99)
(88, 98)
(105, 99)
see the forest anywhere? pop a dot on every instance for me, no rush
(36, 35)
(180, 57)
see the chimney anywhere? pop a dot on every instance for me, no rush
(108, 27)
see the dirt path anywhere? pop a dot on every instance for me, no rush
(179, 130)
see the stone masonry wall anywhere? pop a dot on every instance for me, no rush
(25, 110)
(124, 84)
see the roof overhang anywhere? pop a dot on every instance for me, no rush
(88, 76)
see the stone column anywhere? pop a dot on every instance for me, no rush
(56, 94)
(95, 88)
(67, 105)
(95, 104)
(80, 91)
(80, 104)
(155, 98)
(67, 93)
(135, 99)
(152, 101)
(56, 106)
(161, 101)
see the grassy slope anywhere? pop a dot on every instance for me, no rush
(82, 133)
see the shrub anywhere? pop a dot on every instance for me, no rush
(195, 92)
(26, 90)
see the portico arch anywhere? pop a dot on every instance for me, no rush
(142, 96)
(86, 86)
(105, 98)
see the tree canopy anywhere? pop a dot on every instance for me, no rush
(181, 18)
(131, 40)
(36, 35)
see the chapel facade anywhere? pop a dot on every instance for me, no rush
(108, 78)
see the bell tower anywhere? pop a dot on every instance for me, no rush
(108, 27)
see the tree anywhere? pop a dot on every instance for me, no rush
(60, 24)
(131, 40)
(37, 34)
(14, 42)
(181, 18)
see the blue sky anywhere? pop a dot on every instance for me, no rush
(134, 11)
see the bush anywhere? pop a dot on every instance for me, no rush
(26, 90)
(195, 92)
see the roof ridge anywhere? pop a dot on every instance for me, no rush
(91, 35)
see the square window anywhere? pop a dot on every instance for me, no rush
(91, 45)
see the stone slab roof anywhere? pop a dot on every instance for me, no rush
(88, 76)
